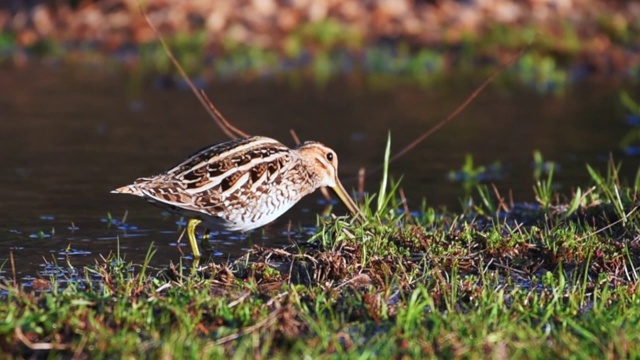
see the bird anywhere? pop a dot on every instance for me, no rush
(241, 184)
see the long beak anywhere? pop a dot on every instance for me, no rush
(346, 199)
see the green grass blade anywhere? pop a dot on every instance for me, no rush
(385, 175)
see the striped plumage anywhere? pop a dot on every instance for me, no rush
(241, 184)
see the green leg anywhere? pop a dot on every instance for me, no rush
(191, 233)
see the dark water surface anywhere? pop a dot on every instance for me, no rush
(69, 136)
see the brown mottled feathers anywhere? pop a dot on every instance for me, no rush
(232, 175)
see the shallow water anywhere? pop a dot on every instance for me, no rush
(69, 136)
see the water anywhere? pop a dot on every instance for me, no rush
(69, 136)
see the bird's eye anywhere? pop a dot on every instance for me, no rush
(330, 156)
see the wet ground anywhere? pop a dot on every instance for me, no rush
(69, 136)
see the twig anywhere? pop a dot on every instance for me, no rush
(276, 298)
(361, 177)
(455, 113)
(219, 117)
(13, 270)
(501, 202)
(268, 321)
(405, 205)
(294, 136)
(37, 346)
(506, 267)
(239, 300)
(610, 225)
(364, 277)
(78, 351)
(229, 130)
(181, 235)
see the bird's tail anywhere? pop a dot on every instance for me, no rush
(132, 189)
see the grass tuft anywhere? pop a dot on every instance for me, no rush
(557, 278)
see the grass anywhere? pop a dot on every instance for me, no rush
(321, 51)
(553, 279)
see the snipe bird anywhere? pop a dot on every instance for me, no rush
(241, 184)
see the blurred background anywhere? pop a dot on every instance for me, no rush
(89, 101)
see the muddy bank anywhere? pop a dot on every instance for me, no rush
(601, 35)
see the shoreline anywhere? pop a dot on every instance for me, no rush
(571, 36)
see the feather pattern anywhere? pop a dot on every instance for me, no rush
(240, 184)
